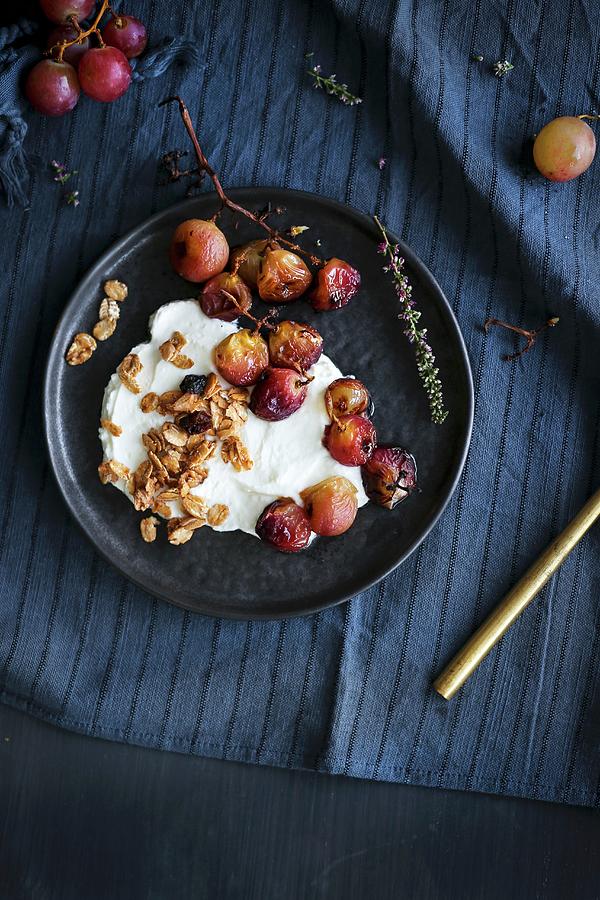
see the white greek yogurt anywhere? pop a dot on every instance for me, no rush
(288, 456)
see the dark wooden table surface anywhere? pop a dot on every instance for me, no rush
(87, 819)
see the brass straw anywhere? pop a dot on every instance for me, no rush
(501, 618)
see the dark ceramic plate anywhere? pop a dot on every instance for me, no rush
(234, 574)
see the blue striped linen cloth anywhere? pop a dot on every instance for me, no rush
(347, 690)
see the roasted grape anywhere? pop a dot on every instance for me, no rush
(283, 276)
(104, 74)
(199, 250)
(73, 53)
(127, 34)
(52, 87)
(293, 345)
(331, 505)
(335, 285)
(278, 394)
(284, 525)
(242, 357)
(351, 440)
(216, 297)
(59, 11)
(564, 148)
(346, 397)
(246, 260)
(389, 476)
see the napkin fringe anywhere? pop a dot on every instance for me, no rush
(13, 162)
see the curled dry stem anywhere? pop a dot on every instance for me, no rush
(530, 335)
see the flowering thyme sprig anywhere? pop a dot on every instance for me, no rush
(410, 315)
(501, 68)
(329, 84)
(61, 176)
(61, 173)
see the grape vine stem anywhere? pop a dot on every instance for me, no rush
(530, 335)
(204, 165)
(81, 34)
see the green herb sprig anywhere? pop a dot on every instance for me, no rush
(329, 84)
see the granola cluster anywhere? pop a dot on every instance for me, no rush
(170, 351)
(83, 344)
(178, 451)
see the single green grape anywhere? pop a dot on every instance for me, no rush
(564, 148)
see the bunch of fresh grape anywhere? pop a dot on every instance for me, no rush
(102, 72)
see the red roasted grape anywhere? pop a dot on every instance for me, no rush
(68, 33)
(345, 397)
(104, 73)
(59, 10)
(283, 276)
(351, 440)
(242, 357)
(246, 260)
(215, 297)
(336, 283)
(564, 148)
(284, 525)
(52, 87)
(389, 476)
(331, 505)
(198, 250)
(278, 394)
(126, 33)
(294, 345)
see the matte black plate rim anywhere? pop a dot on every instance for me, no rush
(414, 262)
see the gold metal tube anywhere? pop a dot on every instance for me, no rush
(501, 618)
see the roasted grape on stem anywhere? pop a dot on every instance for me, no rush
(199, 250)
(390, 475)
(331, 505)
(242, 357)
(104, 74)
(278, 394)
(225, 296)
(283, 276)
(564, 148)
(127, 34)
(284, 525)
(294, 345)
(52, 87)
(351, 440)
(246, 261)
(336, 283)
(345, 397)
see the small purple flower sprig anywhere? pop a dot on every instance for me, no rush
(410, 315)
(61, 176)
(331, 86)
